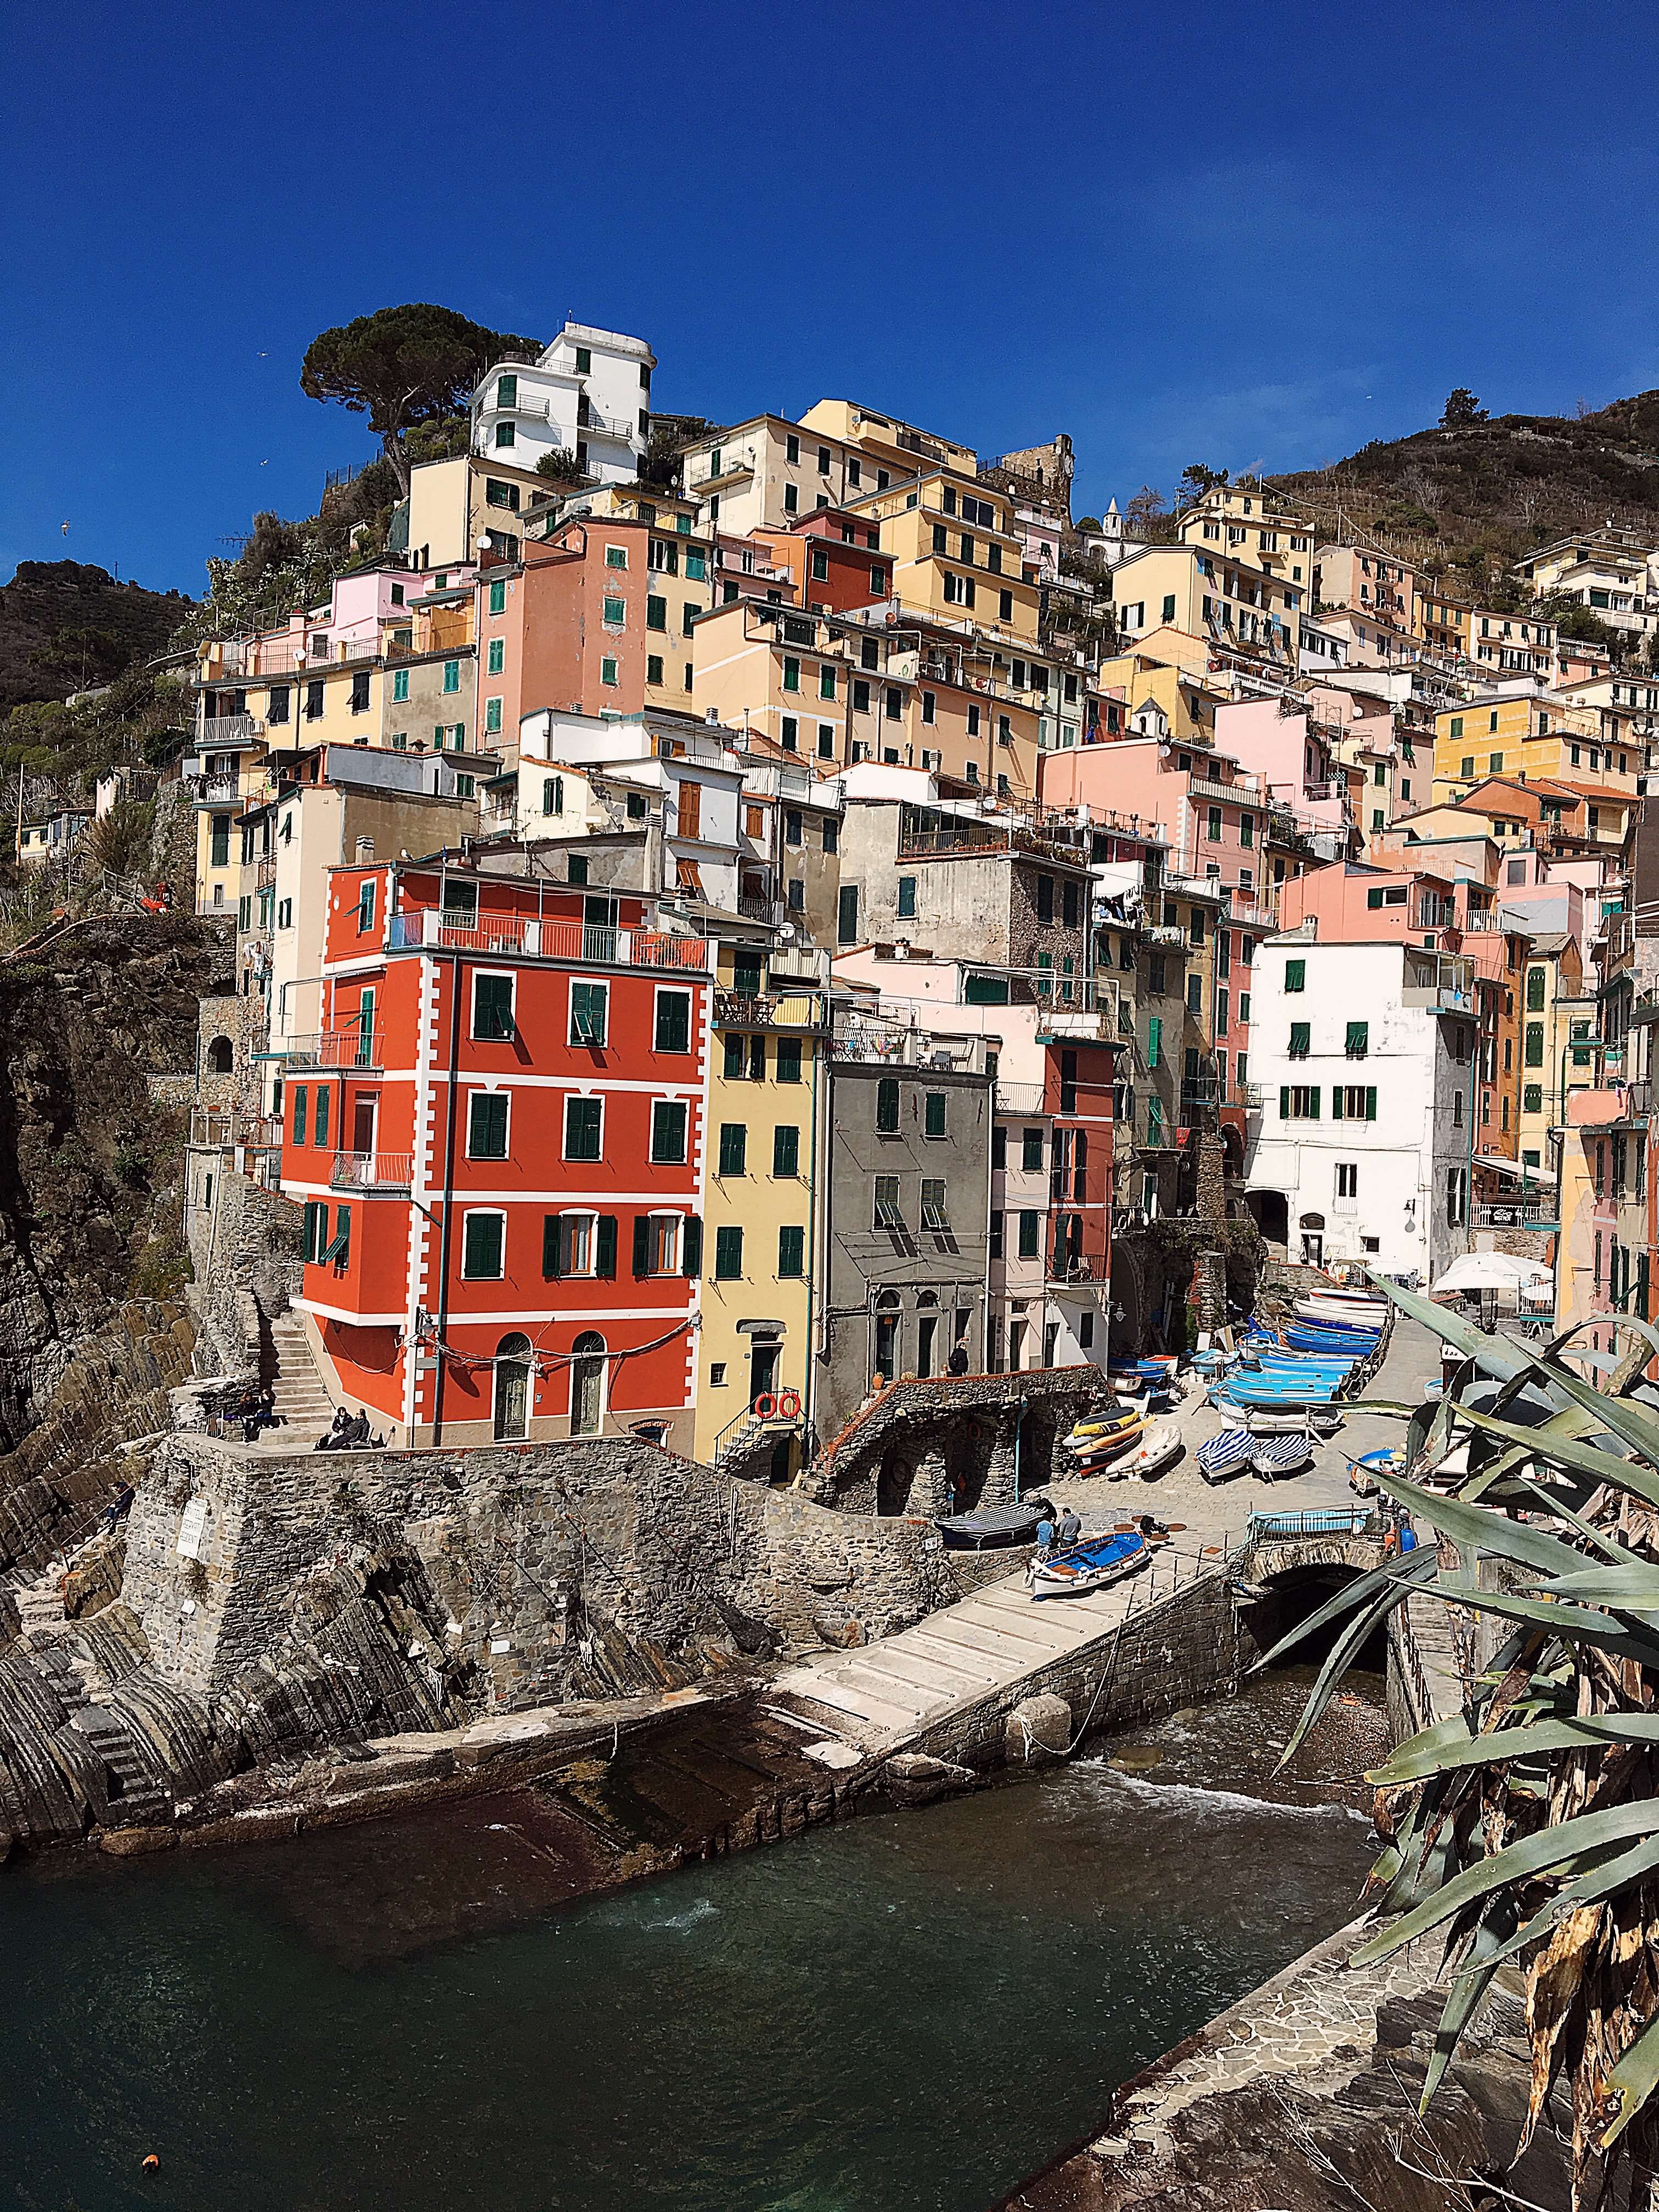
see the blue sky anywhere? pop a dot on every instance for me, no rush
(1257, 234)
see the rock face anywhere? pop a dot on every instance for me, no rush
(271, 1607)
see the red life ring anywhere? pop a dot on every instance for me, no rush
(789, 1404)
(764, 1407)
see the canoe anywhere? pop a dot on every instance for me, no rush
(990, 1527)
(1155, 1449)
(1286, 1455)
(1092, 1565)
(1228, 1454)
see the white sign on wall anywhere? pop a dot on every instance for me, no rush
(192, 1528)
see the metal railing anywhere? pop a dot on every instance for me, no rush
(352, 1047)
(371, 1171)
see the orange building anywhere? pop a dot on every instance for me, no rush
(497, 1138)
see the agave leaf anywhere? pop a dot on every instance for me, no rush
(1565, 1451)
(1415, 1760)
(1492, 1532)
(1496, 1926)
(1546, 1851)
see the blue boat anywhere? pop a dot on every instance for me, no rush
(1090, 1565)
(1229, 1453)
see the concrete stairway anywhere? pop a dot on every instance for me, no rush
(302, 1395)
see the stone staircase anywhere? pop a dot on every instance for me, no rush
(302, 1395)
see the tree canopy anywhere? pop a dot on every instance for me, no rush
(404, 366)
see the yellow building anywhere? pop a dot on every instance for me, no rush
(762, 1143)
(1540, 737)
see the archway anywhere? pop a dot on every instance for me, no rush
(220, 1056)
(512, 1419)
(587, 1385)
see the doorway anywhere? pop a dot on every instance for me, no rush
(587, 1385)
(512, 1423)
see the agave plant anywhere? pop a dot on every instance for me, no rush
(1525, 1827)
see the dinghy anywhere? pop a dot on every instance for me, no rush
(1228, 1454)
(1275, 1455)
(1093, 1565)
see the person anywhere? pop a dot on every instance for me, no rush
(1045, 1538)
(957, 1363)
(1070, 1528)
(118, 1507)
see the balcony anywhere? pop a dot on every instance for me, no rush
(334, 1048)
(392, 1172)
(777, 1010)
(493, 937)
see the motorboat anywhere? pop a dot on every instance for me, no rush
(1225, 1454)
(1157, 1447)
(1094, 1564)
(1273, 1457)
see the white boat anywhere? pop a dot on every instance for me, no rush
(1159, 1447)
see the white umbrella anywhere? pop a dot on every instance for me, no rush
(1492, 1271)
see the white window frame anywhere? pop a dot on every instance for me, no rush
(564, 1126)
(490, 1091)
(482, 1212)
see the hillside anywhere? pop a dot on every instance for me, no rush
(1477, 498)
(66, 627)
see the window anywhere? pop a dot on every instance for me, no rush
(1295, 976)
(888, 1213)
(484, 1240)
(584, 1123)
(933, 1114)
(728, 1255)
(786, 1149)
(1298, 1101)
(1030, 1235)
(674, 1027)
(934, 1215)
(486, 1126)
(792, 1253)
(906, 898)
(668, 1122)
(492, 1006)
(734, 1147)
(589, 1006)
(887, 1106)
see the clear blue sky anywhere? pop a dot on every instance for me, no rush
(1259, 234)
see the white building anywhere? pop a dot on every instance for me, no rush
(1362, 1059)
(587, 394)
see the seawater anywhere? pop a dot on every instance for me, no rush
(911, 2010)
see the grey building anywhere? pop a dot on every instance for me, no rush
(906, 1206)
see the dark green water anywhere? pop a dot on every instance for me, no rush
(905, 2012)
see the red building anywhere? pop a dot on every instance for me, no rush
(498, 1141)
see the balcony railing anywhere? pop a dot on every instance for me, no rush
(350, 1047)
(369, 1171)
(508, 935)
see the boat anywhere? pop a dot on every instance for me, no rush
(1229, 1453)
(1284, 1455)
(1157, 1447)
(989, 1527)
(1095, 1563)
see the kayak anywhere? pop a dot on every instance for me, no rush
(1093, 1565)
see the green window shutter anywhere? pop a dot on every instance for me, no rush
(792, 1252)
(641, 1244)
(785, 1149)
(1359, 1039)
(1283, 1102)
(550, 1248)
(1295, 974)
(1370, 1102)
(691, 1244)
